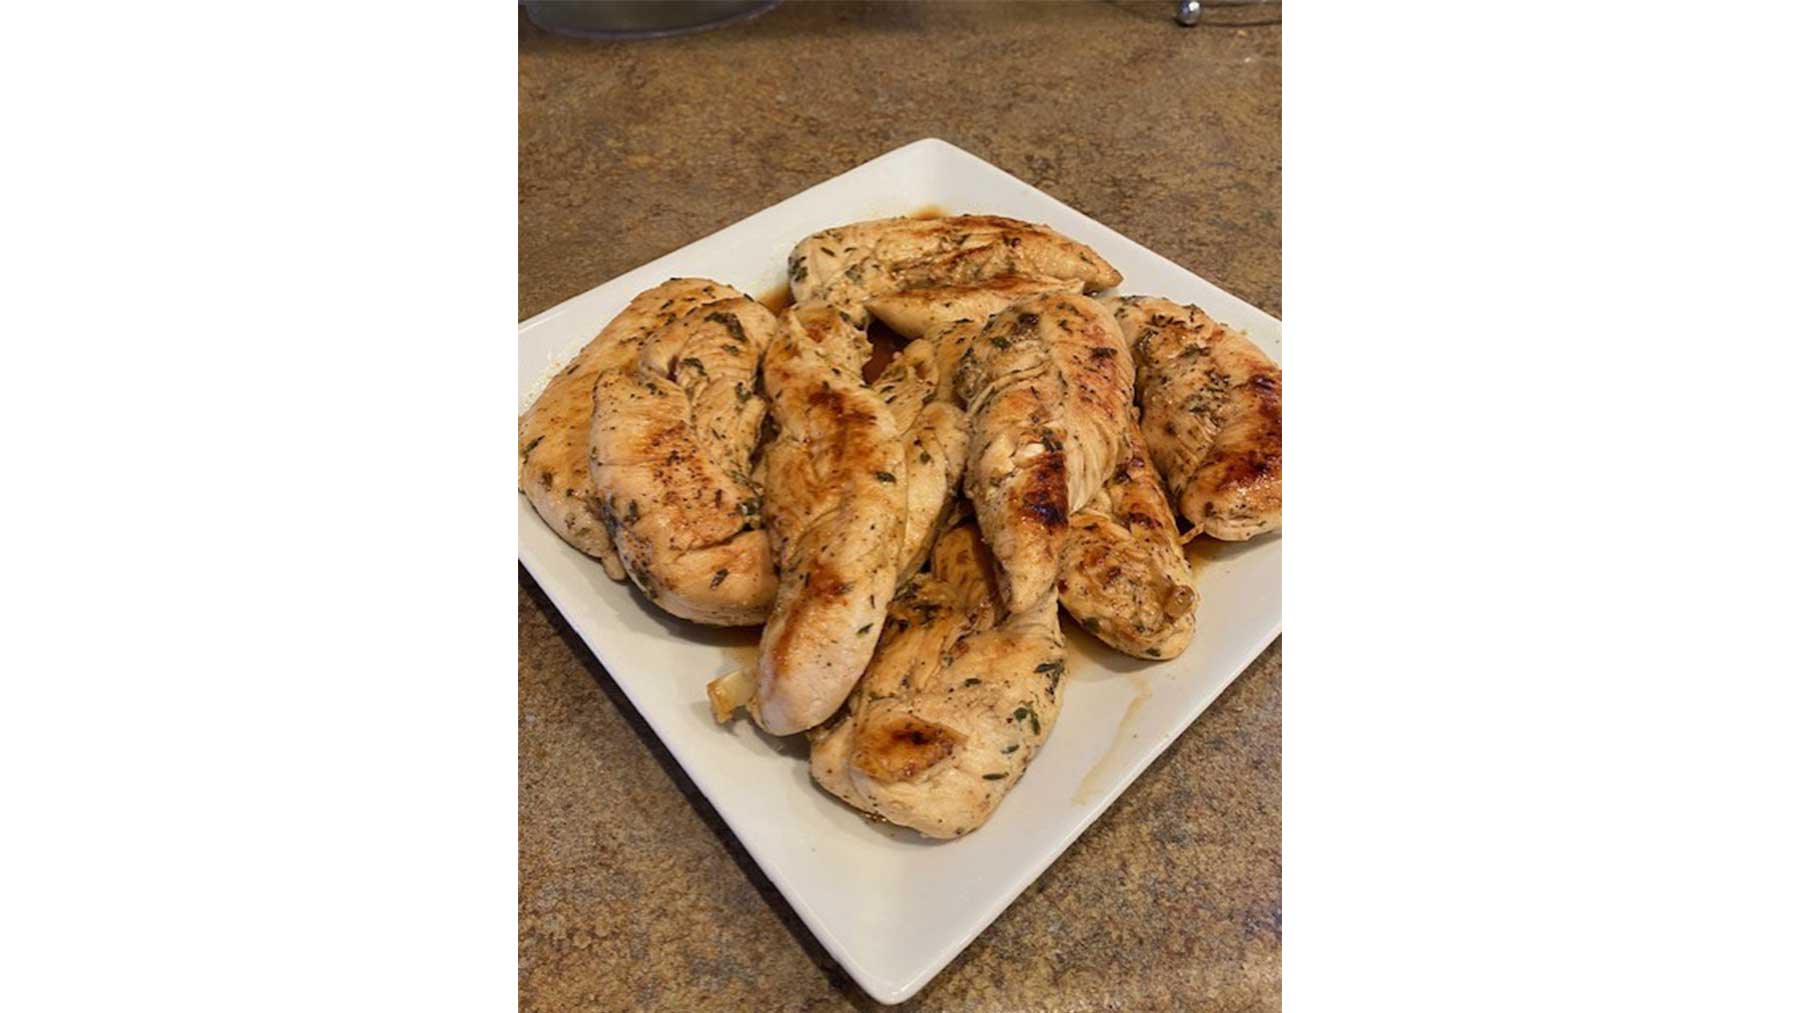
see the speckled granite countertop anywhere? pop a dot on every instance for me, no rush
(1172, 900)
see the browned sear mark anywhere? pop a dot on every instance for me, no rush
(903, 749)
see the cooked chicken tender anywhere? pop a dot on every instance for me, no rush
(953, 707)
(1124, 575)
(676, 417)
(553, 432)
(836, 504)
(1047, 385)
(849, 265)
(1211, 416)
(935, 438)
(916, 312)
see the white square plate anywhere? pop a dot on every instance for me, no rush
(892, 907)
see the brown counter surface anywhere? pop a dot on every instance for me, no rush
(632, 893)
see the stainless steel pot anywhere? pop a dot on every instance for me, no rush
(639, 19)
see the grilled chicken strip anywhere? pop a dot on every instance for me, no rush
(553, 432)
(1124, 575)
(1211, 416)
(916, 312)
(1047, 385)
(953, 708)
(849, 265)
(836, 505)
(676, 417)
(935, 446)
(859, 483)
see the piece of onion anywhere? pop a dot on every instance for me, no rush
(729, 692)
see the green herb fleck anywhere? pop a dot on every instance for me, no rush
(1026, 712)
(992, 777)
(884, 476)
(731, 325)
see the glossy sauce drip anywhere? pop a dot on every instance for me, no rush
(743, 655)
(777, 299)
(885, 344)
(1106, 769)
(1201, 551)
(736, 643)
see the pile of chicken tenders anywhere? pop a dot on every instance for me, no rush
(905, 541)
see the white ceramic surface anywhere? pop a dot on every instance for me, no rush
(894, 908)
